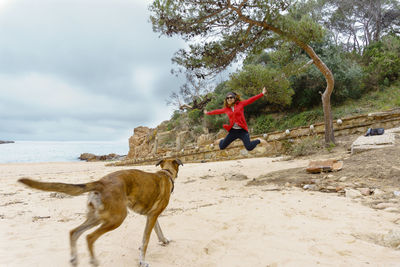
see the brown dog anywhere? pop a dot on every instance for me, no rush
(145, 193)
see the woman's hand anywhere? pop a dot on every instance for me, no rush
(264, 91)
(205, 111)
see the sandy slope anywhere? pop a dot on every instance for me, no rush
(212, 220)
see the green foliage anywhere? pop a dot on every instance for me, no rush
(253, 78)
(267, 123)
(176, 115)
(259, 57)
(384, 99)
(264, 124)
(198, 130)
(302, 28)
(240, 28)
(195, 116)
(175, 120)
(329, 147)
(214, 123)
(298, 119)
(382, 62)
(307, 82)
(347, 72)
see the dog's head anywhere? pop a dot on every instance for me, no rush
(171, 165)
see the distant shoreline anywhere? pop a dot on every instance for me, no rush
(58, 151)
(6, 142)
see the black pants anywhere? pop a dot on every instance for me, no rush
(243, 135)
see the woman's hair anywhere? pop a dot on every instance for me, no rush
(237, 99)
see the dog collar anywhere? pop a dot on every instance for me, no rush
(170, 178)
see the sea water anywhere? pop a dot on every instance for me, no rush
(54, 151)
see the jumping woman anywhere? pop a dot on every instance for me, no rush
(237, 128)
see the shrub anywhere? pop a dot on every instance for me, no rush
(263, 124)
(307, 146)
(175, 120)
(195, 116)
(382, 62)
(301, 119)
(198, 130)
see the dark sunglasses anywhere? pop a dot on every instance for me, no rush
(230, 97)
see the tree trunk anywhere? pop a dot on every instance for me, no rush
(378, 20)
(326, 96)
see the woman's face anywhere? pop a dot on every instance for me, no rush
(230, 99)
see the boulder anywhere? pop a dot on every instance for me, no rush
(363, 143)
(352, 193)
(92, 157)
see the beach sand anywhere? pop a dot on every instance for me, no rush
(213, 219)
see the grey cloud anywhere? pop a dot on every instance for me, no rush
(94, 64)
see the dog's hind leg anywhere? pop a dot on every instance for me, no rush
(150, 222)
(161, 238)
(105, 227)
(76, 233)
(91, 221)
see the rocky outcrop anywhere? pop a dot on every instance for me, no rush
(142, 143)
(92, 157)
(6, 142)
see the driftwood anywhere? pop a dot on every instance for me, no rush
(196, 104)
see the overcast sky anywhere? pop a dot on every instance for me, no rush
(82, 69)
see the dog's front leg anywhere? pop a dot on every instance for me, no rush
(151, 221)
(161, 238)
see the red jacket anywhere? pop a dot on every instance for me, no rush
(236, 116)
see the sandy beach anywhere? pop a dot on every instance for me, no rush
(213, 219)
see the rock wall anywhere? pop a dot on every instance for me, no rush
(147, 145)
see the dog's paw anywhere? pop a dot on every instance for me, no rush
(74, 261)
(164, 242)
(94, 262)
(143, 264)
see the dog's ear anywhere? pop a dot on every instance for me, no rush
(159, 162)
(178, 161)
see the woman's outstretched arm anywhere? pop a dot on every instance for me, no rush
(214, 112)
(254, 98)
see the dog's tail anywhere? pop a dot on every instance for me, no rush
(70, 189)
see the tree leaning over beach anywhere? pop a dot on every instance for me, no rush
(220, 32)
